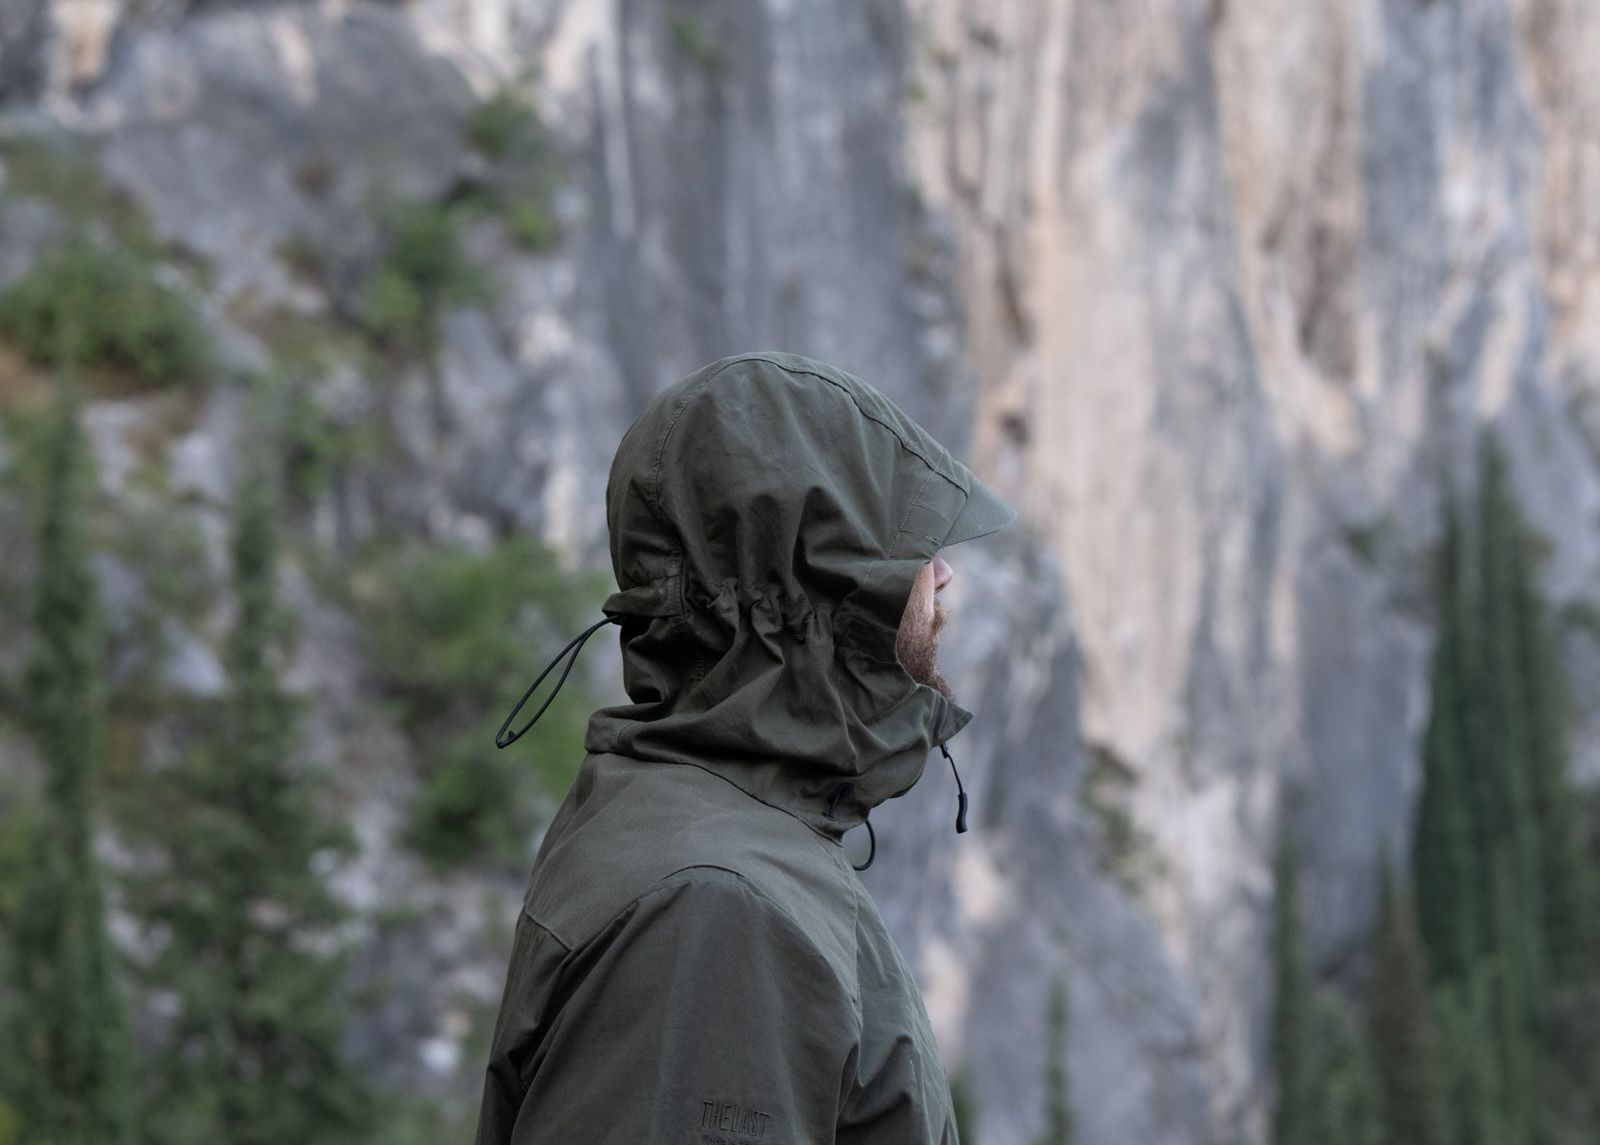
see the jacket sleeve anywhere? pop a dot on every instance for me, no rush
(536, 960)
(701, 1015)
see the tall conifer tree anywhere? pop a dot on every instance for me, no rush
(1058, 1126)
(1504, 750)
(1347, 1108)
(1566, 876)
(1398, 1016)
(1445, 853)
(71, 1050)
(1292, 1002)
(253, 1056)
(1463, 1014)
(1512, 1021)
(1520, 897)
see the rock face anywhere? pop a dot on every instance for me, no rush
(1243, 282)
(1219, 292)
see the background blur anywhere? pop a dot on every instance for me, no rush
(1279, 320)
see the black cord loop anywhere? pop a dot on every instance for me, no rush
(873, 853)
(574, 646)
(833, 801)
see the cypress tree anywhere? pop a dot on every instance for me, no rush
(1463, 1014)
(1504, 762)
(1058, 1126)
(1444, 851)
(1291, 1017)
(1567, 1101)
(253, 1055)
(1347, 1108)
(1523, 886)
(16, 834)
(70, 1029)
(1511, 1021)
(1565, 876)
(1402, 1039)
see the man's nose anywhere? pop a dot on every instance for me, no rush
(942, 573)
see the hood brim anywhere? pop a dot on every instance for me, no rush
(983, 513)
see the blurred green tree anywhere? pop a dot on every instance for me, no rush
(1058, 1125)
(1403, 1042)
(1471, 1076)
(69, 1080)
(1512, 1022)
(1292, 999)
(1327, 1090)
(1445, 854)
(237, 899)
(1347, 1107)
(1527, 671)
(1508, 830)
(1506, 884)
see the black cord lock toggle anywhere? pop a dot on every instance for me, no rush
(961, 793)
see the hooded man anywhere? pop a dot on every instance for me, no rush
(696, 962)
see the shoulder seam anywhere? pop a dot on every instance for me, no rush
(533, 918)
(755, 889)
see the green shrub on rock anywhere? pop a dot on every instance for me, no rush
(102, 305)
(423, 270)
(496, 124)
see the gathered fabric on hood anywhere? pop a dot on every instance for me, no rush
(768, 517)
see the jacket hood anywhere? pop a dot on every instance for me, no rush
(768, 516)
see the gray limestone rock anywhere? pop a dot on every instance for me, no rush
(252, 131)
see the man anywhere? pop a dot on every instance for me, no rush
(696, 961)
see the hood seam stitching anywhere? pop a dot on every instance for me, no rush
(844, 389)
(666, 432)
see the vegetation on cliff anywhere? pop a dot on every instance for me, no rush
(1484, 996)
(68, 1055)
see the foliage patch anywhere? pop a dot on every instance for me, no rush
(455, 635)
(422, 270)
(525, 170)
(100, 304)
(694, 40)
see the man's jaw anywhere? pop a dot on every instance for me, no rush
(940, 616)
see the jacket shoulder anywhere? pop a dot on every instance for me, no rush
(628, 826)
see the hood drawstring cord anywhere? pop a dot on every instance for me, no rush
(570, 654)
(872, 853)
(574, 646)
(833, 801)
(872, 840)
(961, 793)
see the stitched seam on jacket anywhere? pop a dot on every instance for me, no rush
(842, 388)
(533, 918)
(665, 884)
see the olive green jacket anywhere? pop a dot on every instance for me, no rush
(696, 961)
